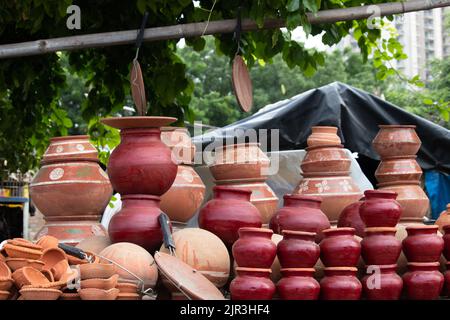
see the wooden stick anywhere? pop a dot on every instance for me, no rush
(214, 27)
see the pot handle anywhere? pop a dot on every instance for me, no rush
(164, 221)
(76, 252)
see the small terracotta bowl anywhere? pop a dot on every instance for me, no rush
(21, 252)
(5, 272)
(18, 263)
(4, 295)
(69, 296)
(96, 270)
(128, 296)
(6, 283)
(28, 276)
(98, 294)
(51, 256)
(49, 275)
(40, 294)
(104, 284)
(48, 242)
(60, 269)
(127, 287)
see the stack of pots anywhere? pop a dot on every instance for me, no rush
(245, 166)
(340, 252)
(71, 190)
(326, 172)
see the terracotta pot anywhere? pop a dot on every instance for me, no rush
(444, 219)
(239, 161)
(398, 168)
(380, 209)
(423, 244)
(40, 294)
(350, 218)
(52, 256)
(98, 294)
(254, 248)
(298, 284)
(339, 248)
(336, 191)
(14, 251)
(446, 239)
(137, 222)
(6, 283)
(252, 284)
(323, 135)
(96, 270)
(227, 212)
(18, 263)
(70, 148)
(185, 196)
(24, 244)
(382, 283)
(5, 272)
(180, 143)
(94, 244)
(300, 213)
(340, 283)
(326, 158)
(28, 276)
(411, 197)
(401, 235)
(47, 242)
(396, 140)
(298, 249)
(380, 246)
(423, 281)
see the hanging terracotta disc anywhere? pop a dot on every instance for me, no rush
(137, 88)
(242, 84)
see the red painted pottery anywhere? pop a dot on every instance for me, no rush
(398, 168)
(70, 148)
(446, 239)
(227, 212)
(380, 246)
(396, 140)
(254, 248)
(252, 284)
(141, 163)
(350, 218)
(300, 213)
(444, 219)
(323, 135)
(447, 280)
(382, 283)
(340, 248)
(423, 244)
(340, 283)
(326, 158)
(380, 209)
(423, 281)
(298, 284)
(298, 249)
(137, 222)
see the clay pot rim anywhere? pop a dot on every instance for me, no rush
(423, 227)
(254, 229)
(397, 126)
(74, 137)
(327, 146)
(68, 160)
(399, 183)
(140, 197)
(380, 229)
(339, 229)
(298, 269)
(137, 122)
(170, 129)
(424, 264)
(245, 269)
(299, 233)
(353, 269)
(376, 193)
(232, 189)
(383, 266)
(325, 127)
(302, 197)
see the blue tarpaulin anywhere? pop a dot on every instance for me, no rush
(437, 185)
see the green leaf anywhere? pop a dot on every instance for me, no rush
(311, 5)
(428, 102)
(141, 5)
(293, 5)
(294, 19)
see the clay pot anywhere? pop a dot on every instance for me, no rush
(135, 259)
(396, 140)
(423, 244)
(28, 276)
(298, 249)
(14, 251)
(340, 283)
(180, 143)
(97, 270)
(350, 218)
(127, 287)
(323, 135)
(447, 280)
(446, 239)
(444, 219)
(40, 294)
(423, 281)
(340, 248)
(4, 295)
(227, 212)
(59, 270)
(254, 248)
(380, 246)
(298, 284)
(70, 148)
(383, 283)
(326, 158)
(137, 222)
(100, 283)
(398, 168)
(98, 294)
(380, 209)
(185, 196)
(94, 244)
(51, 257)
(252, 284)
(204, 252)
(5, 272)
(18, 263)
(47, 242)
(300, 213)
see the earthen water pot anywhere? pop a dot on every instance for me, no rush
(444, 219)
(380, 209)
(382, 283)
(298, 284)
(340, 283)
(326, 158)
(398, 168)
(380, 246)
(423, 281)
(446, 239)
(396, 140)
(227, 212)
(340, 248)
(423, 244)
(447, 280)
(300, 213)
(323, 135)
(70, 148)
(350, 218)
(298, 249)
(94, 244)
(252, 284)
(254, 248)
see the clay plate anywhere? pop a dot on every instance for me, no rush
(104, 284)
(137, 122)
(22, 252)
(128, 296)
(4, 295)
(18, 263)
(40, 294)
(242, 84)
(98, 294)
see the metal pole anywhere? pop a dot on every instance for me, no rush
(214, 27)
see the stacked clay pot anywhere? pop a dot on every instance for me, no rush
(98, 282)
(350, 218)
(446, 253)
(326, 173)
(245, 166)
(71, 190)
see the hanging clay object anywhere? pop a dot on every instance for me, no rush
(242, 84)
(298, 284)
(398, 168)
(444, 219)
(383, 283)
(350, 218)
(380, 209)
(298, 249)
(252, 284)
(340, 248)
(423, 244)
(380, 246)
(254, 248)
(323, 135)
(423, 281)
(340, 283)
(396, 140)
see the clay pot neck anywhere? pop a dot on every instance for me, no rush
(380, 231)
(423, 266)
(380, 195)
(335, 232)
(299, 235)
(301, 201)
(324, 129)
(340, 271)
(136, 200)
(255, 232)
(383, 269)
(253, 272)
(419, 230)
(227, 193)
(298, 272)
(141, 133)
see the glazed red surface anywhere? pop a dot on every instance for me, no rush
(446, 239)
(447, 282)
(388, 285)
(340, 285)
(254, 248)
(298, 249)
(340, 248)
(350, 218)
(381, 247)
(423, 244)
(380, 209)
(252, 284)
(298, 284)
(423, 282)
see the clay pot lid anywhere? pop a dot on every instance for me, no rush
(137, 122)
(242, 84)
(380, 229)
(230, 182)
(302, 197)
(300, 233)
(5, 272)
(398, 183)
(188, 280)
(422, 227)
(140, 197)
(326, 146)
(387, 126)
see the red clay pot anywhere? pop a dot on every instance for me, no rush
(340, 283)
(350, 218)
(447, 281)
(254, 248)
(340, 248)
(446, 239)
(137, 222)
(227, 212)
(383, 283)
(298, 284)
(298, 249)
(380, 209)
(380, 246)
(300, 213)
(423, 244)
(252, 284)
(396, 140)
(423, 281)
